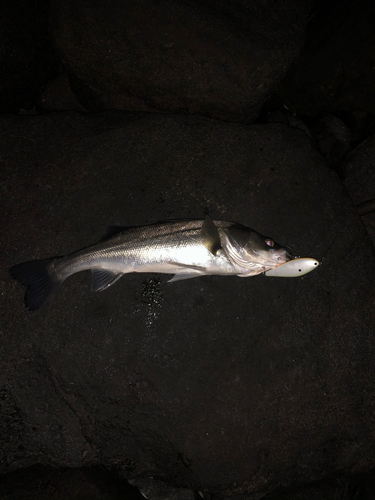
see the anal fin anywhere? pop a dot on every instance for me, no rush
(102, 279)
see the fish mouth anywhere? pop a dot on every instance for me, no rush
(287, 256)
(279, 258)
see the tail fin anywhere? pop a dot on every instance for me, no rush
(40, 278)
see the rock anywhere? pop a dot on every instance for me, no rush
(58, 96)
(369, 222)
(283, 115)
(27, 58)
(214, 58)
(226, 386)
(332, 138)
(334, 490)
(152, 489)
(45, 483)
(329, 76)
(358, 173)
(361, 486)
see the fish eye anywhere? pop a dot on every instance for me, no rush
(269, 242)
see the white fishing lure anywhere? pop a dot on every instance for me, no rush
(294, 268)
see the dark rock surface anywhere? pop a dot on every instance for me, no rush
(57, 95)
(359, 487)
(334, 72)
(217, 58)
(159, 490)
(27, 58)
(283, 115)
(369, 222)
(45, 483)
(332, 138)
(224, 385)
(358, 173)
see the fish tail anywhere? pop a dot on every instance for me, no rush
(41, 279)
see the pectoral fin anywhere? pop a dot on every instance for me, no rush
(210, 236)
(188, 266)
(102, 279)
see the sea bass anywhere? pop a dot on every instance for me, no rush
(185, 248)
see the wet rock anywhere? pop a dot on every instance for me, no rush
(27, 58)
(152, 489)
(283, 115)
(358, 173)
(58, 96)
(333, 490)
(332, 138)
(214, 58)
(369, 222)
(349, 488)
(334, 71)
(45, 483)
(234, 386)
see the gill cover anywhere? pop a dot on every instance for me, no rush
(250, 250)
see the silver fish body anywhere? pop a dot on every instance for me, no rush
(185, 248)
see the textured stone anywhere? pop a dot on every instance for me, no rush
(285, 116)
(27, 58)
(222, 385)
(58, 96)
(358, 173)
(45, 483)
(215, 58)
(334, 71)
(332, 138)
(152, 489)
(356, 487)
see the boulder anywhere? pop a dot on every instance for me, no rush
(283, 115)
(334, 71)
(217, 384)
(46, 483)
(358, 173)
(27, 57)
(332, 138)
(57, 95)
(213, 58)
(359, 486)
(152, 489)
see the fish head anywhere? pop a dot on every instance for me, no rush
(252, 252)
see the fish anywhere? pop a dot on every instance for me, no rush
(186, 248)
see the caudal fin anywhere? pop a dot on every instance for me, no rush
(40, 278)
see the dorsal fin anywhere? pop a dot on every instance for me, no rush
(113, 230)
(165, 221)
(210, 236)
